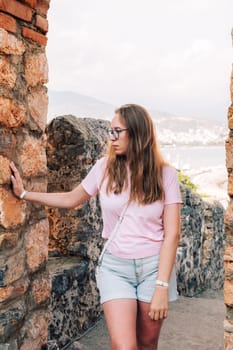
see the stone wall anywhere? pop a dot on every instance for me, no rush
(24, 280)
(73, 147)
(228, 257)
(200, 251)
(74, 244)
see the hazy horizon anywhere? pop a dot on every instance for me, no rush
(174, 57)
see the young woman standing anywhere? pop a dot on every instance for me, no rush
(136, 278)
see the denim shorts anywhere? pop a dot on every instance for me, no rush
(119, 278)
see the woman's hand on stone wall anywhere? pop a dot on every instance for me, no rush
(16, 180)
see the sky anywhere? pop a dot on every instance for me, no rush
(173, 56)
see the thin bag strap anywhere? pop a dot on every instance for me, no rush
(113, 233)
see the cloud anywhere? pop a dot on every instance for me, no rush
(174, 56)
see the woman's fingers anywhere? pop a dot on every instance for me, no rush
(16, 180)
(158, 314)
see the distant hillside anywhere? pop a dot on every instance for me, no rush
(171, 129)
(68, 102)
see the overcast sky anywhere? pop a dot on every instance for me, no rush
(169, 55)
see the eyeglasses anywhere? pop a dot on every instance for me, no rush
(115, 133)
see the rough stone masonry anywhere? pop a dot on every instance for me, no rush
(25, 286)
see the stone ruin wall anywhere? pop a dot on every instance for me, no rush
(228, 257)
(74, 244)
(25, 286)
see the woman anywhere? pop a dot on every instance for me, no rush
(138, 263)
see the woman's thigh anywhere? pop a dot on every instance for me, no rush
(121, 315)
(147, 330)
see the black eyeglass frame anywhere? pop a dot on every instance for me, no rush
(115, 133)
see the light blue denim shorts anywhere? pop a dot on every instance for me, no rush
(120, 278)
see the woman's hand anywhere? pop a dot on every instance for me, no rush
(16, 180)
(159, 304)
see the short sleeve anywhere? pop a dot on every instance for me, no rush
(91, 182)
(171, 186)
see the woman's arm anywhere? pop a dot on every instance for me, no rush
(159, 303)
(59, 200)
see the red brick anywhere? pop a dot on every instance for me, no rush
(35, 36)
(31, 3)
(16, 9)
(42, 6)
(42, 23)
(8, 23)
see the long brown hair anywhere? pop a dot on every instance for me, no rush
(143, 158)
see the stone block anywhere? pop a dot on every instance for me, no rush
(16, 290)
(11, 320)
(7, 142)
(16, 9)
(75, 298)
(34, 36)
(12, 114)
(228, 292)
(5, 172)
(8, 23)
(230, 117)
(36, 69)
(8, 240)
(42, 23)
(36, 244)
(13, 269)
(8, 73)
(35, 331)
(9, 44)
(229, 153)
(230, 185)
(12, 210)
(32, 156)
(228, 341)
(41, 289)
(38, 108)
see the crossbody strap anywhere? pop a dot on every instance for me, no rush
(113, 233)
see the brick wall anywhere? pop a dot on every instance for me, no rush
(24, 281)
(228, 257)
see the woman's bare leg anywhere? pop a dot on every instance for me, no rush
(120, 315)
(147, 330)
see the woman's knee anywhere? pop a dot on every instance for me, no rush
(123, 344)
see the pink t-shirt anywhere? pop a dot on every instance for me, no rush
(141, 232)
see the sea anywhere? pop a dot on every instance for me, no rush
(185, 158)
(205, 165)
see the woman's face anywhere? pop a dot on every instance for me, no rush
(120, 143)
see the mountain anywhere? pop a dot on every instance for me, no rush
(68, 102)
(172, 130)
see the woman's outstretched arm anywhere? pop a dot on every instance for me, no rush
(58, 200)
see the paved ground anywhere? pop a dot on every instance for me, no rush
(193, 323)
